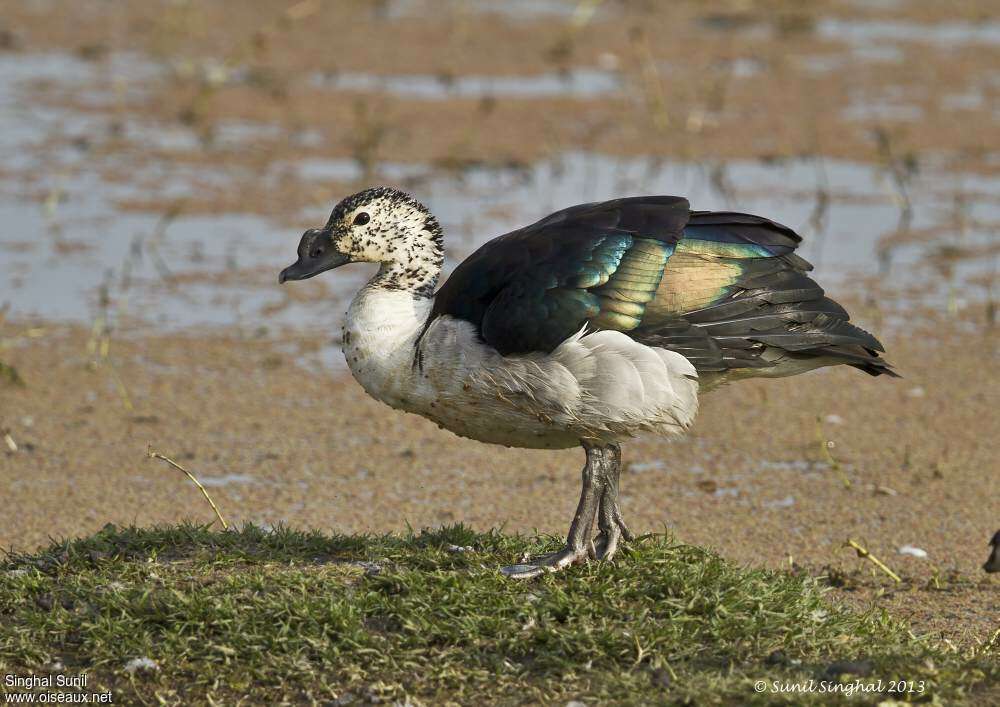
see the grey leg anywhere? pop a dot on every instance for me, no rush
(579, 541)
(609, 516)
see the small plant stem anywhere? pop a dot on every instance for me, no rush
(862, 552)
(156, 455)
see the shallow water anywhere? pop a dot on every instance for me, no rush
(577, 83)
(76, 255)
(510, 9)
(866, 33)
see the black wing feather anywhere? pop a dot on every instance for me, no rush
(531, 289)
(613, 264)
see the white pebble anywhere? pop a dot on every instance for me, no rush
(911, 550)
(143, 664)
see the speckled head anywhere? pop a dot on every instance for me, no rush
(378, 225)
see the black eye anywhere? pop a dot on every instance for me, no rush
(361, 219)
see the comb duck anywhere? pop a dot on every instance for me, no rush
(598, 323)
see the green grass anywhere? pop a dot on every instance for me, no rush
(9, 374)
(299, 616)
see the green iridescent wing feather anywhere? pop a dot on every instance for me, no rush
(723, 289)
(596, 264)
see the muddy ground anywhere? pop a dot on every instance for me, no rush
(276, 439)
(190, 121)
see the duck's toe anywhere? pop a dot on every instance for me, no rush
(613, 530)
(607, 545)
(553, 562)
(609, 540)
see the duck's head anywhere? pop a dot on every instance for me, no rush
(377, 225)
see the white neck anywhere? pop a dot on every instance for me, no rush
(379, 335)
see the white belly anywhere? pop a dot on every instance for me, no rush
(603, 386)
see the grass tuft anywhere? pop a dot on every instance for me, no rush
(282, 614)
(10, 375)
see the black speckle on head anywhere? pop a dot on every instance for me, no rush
(388, 226)
(432, 227)
(386, 195)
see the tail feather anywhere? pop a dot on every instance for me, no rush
(866, 361)
(757, 309)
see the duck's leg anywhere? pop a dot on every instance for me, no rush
(579, 542)
(609, 515)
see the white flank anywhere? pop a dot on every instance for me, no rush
(600, 386)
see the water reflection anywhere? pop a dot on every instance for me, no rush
(577, 83)
(76, 255)
(873, 32)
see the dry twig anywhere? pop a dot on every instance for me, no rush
(863, 553)
(156, 455)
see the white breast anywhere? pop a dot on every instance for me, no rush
(378, 338)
